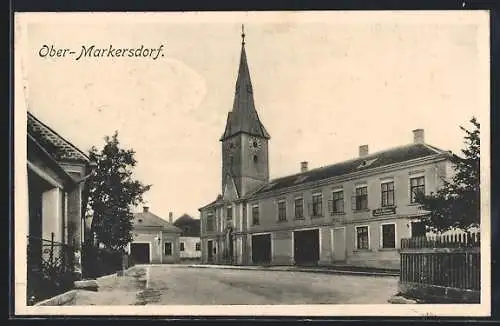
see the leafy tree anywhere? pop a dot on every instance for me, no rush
(457, 203)
(111, 192)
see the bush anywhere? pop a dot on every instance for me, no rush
(97, 262)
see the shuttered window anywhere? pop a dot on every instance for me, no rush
(282, 211)
(299, 208)
(387, 191)
(389, 236)
(362, 238)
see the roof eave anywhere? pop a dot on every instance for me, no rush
(437, 157)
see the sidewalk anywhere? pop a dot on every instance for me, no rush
(344, 269)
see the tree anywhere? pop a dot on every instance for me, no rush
(111, 192)
(457, 203)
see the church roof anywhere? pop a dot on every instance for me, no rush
(58, 147)
(150, 220)
(244, 118)
(379, 159)
(190, 226)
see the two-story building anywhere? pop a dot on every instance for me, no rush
(189, 241)
(353, 212)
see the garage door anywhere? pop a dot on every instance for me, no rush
(261, 249)
(140, 253)
(306, 247)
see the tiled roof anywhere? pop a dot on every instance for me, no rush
(379, 159)
(150, 220)
(190, 226)
(58, 147)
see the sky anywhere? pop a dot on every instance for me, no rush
(324, 84)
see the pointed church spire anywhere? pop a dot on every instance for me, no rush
(244, 118)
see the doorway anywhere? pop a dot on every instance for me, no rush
(140, 253)
(261, 249)
(338, 244)
(210, 251)
(306, 247)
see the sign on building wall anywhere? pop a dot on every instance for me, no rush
(384, 211)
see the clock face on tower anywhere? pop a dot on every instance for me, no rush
(255, 143)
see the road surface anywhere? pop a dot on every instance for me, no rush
(183, 285)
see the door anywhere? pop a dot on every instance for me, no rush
(306, 247)
(140, 253)
(210, 251)
(338, 242)
(261, 249)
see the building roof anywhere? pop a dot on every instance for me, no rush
(54, 144)
(150, 220)
(379, 159)
(190, 226)
(244, 118)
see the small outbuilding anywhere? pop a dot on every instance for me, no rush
(155, 240)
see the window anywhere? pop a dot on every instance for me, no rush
(299, 208)
(168, 248)
(417, 186)
(389, 236)
(229, 212)
(182, 246)
(418, 229)
(338, 202)
(317, 205)
(198, 246)
(282, 210)
(361, 198)
(255, 215)
(210, 221)
(255, 159)
(362, 238)
(387, 190)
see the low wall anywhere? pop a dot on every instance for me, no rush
(64, 299)
(438, 294)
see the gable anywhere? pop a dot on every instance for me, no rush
(230, 191)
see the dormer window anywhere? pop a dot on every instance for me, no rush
(300, 179)
(140, 220)
(366, 163)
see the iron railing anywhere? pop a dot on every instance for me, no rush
(50, 268)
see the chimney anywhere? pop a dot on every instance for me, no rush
(170, 217)
(303, 166)
(145, 209)
(363, 150)
(418, 136)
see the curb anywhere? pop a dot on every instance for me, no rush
(301, 270)
(59, 300)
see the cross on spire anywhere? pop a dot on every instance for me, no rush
(242, 34)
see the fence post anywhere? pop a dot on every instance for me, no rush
(51, 252)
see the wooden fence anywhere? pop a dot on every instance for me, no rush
(447, 261)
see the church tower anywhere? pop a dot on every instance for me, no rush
(245, 156)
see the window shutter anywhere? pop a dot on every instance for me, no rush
(330, 206)
(353, 203)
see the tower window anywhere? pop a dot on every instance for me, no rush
(255, 158)
(255, 144)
